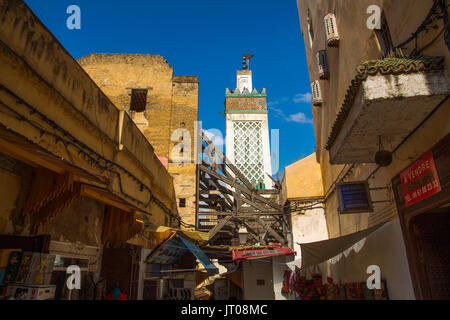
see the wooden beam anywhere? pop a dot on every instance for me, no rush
(218, 227)
(268, 191)
(229, 164)
(104, 196)
(271, 231)
(236, 185)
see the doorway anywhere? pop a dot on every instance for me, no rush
(431, 242)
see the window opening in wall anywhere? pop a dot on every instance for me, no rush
(310, 29)
(182, 202)
(384, 37)
(138, 100)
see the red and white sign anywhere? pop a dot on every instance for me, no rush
(420, 180)
(274, 250)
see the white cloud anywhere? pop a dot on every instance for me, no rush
(302, 97)
(299, 118)
(215, 136)
(278, 112)
(273, 103)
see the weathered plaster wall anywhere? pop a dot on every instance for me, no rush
(183, 116)
(117, 74)
(10, 187)
(302, 181)
(81, 222)
(308, 227)
(172, 103)
(15, 177)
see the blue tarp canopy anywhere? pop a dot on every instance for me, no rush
(200, 255)
(175, 248)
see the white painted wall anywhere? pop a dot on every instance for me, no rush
(244, 81)
(310, 227)
(254, 270)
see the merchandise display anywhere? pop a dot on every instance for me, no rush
(312, 287)
(26, 275)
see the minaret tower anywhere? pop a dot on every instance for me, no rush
(247, 129)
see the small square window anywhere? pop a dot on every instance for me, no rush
(182, 202)
(260, 282)
(138, 100)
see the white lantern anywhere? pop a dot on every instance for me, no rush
(316, 94)
(331, 30)
(243, 235)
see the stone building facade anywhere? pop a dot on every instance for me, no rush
(382, 87)
(165, 108)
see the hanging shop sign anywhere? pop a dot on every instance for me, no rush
(420, 180)
(354, 197)
(262, 253)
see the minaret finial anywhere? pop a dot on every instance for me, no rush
(245, 62)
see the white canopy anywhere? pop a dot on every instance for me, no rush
(317, 252)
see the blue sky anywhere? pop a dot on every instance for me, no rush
(205, 38)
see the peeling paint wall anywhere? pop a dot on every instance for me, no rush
(81, 222)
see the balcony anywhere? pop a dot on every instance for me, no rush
(387, 98)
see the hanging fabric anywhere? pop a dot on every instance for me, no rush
(312, 289)
(316, 275)
(285, 288)
(292, 280)
(300, 279)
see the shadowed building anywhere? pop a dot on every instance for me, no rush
(381, 117)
